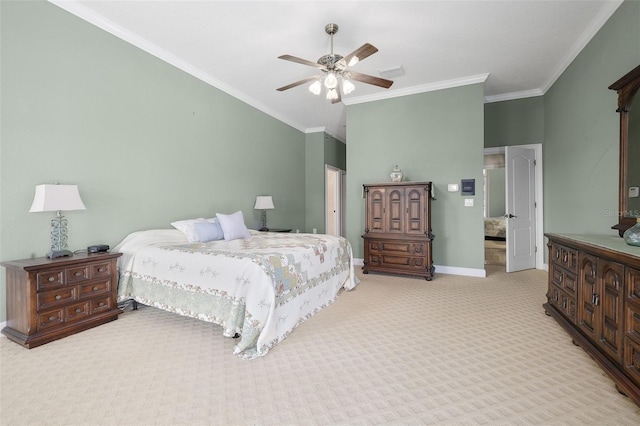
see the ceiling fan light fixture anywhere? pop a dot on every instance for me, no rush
(330, 81)
(347, 86)
(353, 61)
(332, 94)
(315, 87)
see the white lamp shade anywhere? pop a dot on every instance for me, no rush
(264, 202)
(56, 197)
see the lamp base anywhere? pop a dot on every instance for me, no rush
(61, 253)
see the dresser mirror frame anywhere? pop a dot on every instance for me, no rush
(627, 87)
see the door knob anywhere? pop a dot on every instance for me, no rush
(509, 216)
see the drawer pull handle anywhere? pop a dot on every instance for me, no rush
(58, 297)
(100, 269)
(78, 310)
(560, 278)
(52, 318)
(78, 273)
(51, 279)
(95, 288)
(101, 304)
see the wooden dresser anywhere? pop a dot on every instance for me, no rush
(48, 299)
(397, 235)
(594, 294)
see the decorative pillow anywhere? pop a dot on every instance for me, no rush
(187, 227)
(233, 226)
(210, 231)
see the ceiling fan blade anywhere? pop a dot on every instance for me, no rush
(301, 61)
(298, 83)
(362, 52)
(369, 79)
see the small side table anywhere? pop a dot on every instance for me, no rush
(277, 230)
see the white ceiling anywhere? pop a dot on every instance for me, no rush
(517, 47)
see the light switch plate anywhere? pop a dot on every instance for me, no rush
(468, 202)
(634, 192)
(453, 187)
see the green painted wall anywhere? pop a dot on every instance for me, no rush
(146, 143)
(581, 147)
(435, 136)
(515, 122)
(321, 149)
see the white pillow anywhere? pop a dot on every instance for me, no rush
(233, 226)
(188, 228)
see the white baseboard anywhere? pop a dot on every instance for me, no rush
(451, 270)
(3, 325)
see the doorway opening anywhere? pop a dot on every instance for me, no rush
(334, 217)
(513, 211)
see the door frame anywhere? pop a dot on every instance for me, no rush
(539, 198)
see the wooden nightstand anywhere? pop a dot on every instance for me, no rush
(48, 299)
(276, 230)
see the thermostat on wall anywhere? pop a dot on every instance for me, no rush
(468, 187)
(634, 192)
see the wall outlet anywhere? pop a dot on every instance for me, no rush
(468, 202)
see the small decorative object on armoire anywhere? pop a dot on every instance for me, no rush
(57, 198)
(397, 235)
(632, 235)
(264, 203)
(396, 174)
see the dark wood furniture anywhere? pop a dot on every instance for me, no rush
(594, 294)
(397, 235)
(275, 230)
(48, 299)
(627, 87)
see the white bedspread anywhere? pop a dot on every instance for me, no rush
(260, 287)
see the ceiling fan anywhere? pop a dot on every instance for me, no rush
(336, 71)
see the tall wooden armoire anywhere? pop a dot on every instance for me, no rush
(397, 234)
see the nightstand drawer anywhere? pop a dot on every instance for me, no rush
(60, 297)
(49, 279)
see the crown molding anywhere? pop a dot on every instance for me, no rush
(513, 95)
(431, 87)
(315, 129)
(105, 24)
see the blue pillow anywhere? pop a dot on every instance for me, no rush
(209, 231)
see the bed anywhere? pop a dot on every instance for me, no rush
(495, 228)
(260, 288)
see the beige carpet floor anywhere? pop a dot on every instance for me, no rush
(453, 351)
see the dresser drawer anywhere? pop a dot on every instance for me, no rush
(77, 274)
(50, 319)
(60, 297)
(100, 270)
(398, 247)
(94, 288)
(565, 257)
(101, 304)
(77, 311)
(49, 279)
(564, 279)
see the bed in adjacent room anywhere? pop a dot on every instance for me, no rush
(495, 228)
(260, 286)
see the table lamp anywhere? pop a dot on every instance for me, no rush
(264, 203)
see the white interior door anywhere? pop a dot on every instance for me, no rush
(520, 208)
(333, 200)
